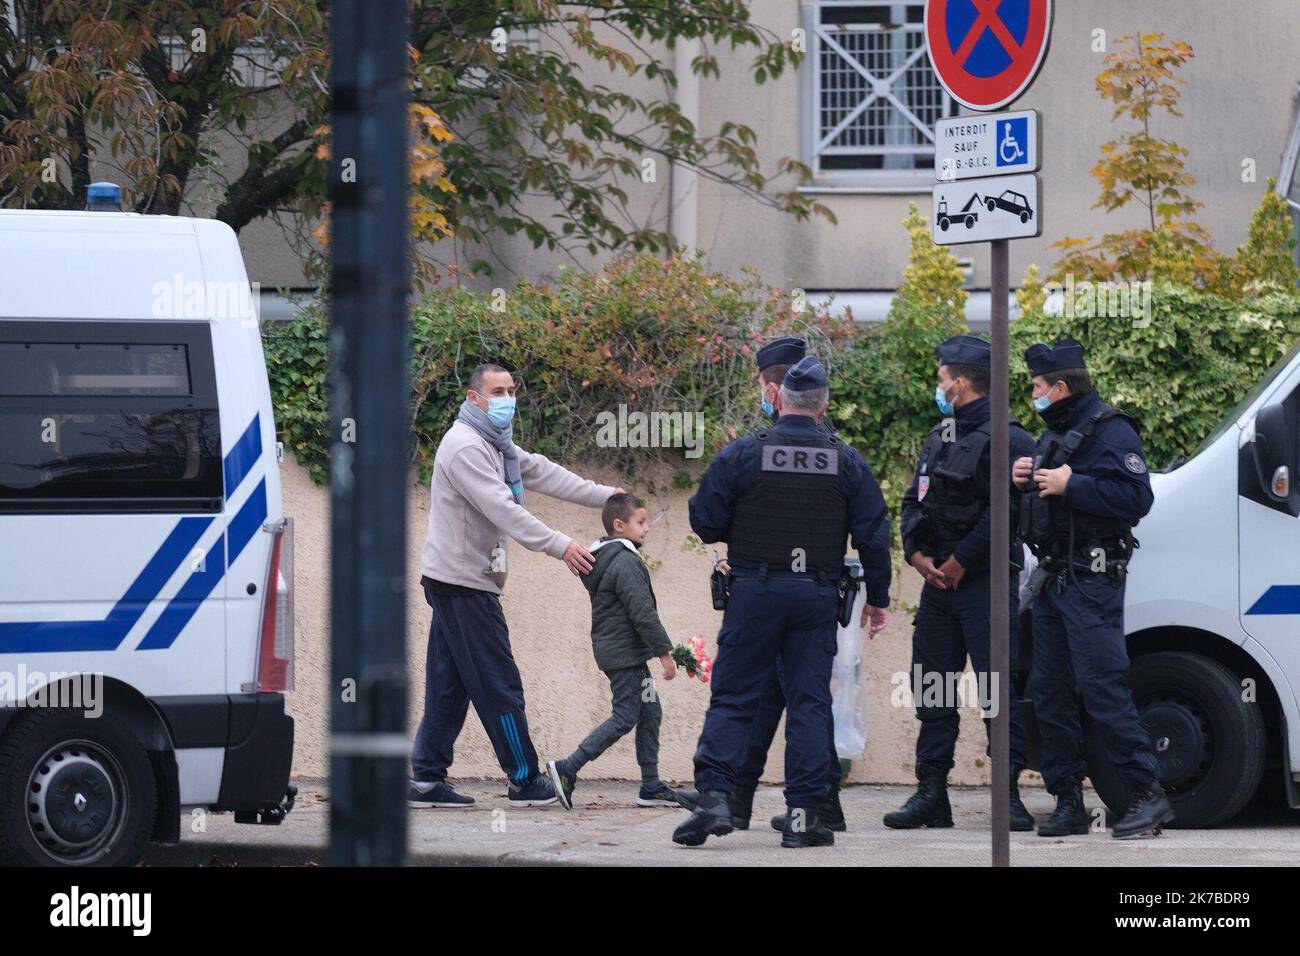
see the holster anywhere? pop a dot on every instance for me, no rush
(1037, 578)
(848, 589)
(720, 588)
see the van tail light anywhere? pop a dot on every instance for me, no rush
(275, 650)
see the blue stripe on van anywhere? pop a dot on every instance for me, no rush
(176, 548)
(195, 590)
(107, 634)
(246, 523)
(182, 607)
(241, 458)
(1279, 599)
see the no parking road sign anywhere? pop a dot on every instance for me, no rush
(987, 52)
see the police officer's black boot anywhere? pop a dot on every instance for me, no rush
(1147, 810)
(1022, 821)
(741, 803)
(830, 813)
(928, 807)
(1070, 818)
(711, 817)
(803, 828)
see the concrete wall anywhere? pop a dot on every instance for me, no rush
(549, 616)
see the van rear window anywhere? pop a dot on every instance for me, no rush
(61, 368)
(108, 417)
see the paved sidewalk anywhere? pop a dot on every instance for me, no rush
(605, 827)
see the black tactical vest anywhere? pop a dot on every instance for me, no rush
(797, 500)
(951, 507)
(1045, 523)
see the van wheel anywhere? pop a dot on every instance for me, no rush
(74, 791)
(1209, 744)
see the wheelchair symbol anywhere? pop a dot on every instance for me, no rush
(1009, 149)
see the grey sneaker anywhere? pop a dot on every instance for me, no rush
(441, 795)
(657, 796)
(538, 792)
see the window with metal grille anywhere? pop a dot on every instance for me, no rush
(874, 99)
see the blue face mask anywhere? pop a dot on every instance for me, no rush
(501, 410)
(1042, 403)
(941, 399)
(768, 408)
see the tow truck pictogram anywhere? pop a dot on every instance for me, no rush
(967, 215)
(1010, 201)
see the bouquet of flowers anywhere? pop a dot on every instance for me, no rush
(692, 658)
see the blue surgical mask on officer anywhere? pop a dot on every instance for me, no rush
(501, 410)
(942, 400)
(768, 408)
(1043, 402)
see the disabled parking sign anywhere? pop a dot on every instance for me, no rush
(987, 52)
(996, 145)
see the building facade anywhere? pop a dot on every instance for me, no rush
(860, 112)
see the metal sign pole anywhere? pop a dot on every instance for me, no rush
(999, 549)
(977, 200)
(369, 437)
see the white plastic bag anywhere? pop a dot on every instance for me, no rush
(848, 702)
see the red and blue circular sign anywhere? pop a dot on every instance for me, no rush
(987, 52)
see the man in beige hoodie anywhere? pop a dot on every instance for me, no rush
(479, 481)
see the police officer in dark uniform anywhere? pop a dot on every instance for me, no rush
(1086, 487)
(946, 538)
(786, 500)
(775, 359)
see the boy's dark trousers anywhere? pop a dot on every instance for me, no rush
(636, 704)
(469, 661)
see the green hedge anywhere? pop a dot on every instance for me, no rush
(654, 335)
(669, 335)
(1178, 374)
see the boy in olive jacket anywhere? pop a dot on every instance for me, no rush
(625, 635)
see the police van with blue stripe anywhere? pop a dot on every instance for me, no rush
(146, 608)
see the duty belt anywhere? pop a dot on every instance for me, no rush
(823, 576)
(1114, 564)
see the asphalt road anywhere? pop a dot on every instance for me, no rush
(606, 828)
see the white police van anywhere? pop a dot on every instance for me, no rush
(1212, 614)
(145, 559)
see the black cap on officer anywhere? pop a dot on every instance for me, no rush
(808, 374)
(785, 351)
(1066, 354)
(965, 350)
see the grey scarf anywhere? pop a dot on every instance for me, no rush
(500, 438)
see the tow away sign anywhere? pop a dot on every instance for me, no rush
(996, 144)
(981, 210)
